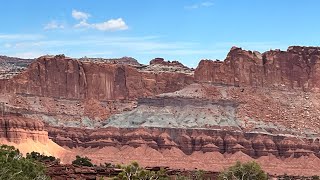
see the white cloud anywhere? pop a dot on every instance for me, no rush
(108, 25)
(199, 5)
(111, 25)
(82, 24)
(53, 25)
(78, 15)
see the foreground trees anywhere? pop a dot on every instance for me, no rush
(134, 172)
(249, 170)
(14, 166)
(41, 157)
(239, 171)
(82, 161)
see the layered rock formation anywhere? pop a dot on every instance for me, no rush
(159, 65)
(27, 135)
(172, 148)
(296, 68)
(161, 61)
(61, 77)
(251, 105)
(64, 91)
(187, 140)
(18, 129)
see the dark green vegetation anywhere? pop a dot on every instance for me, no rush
(82, 161)
(134, 172)
(41, 158)
(14, 166)
(194, 175)
(239, 171)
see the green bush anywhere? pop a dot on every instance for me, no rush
(135, 172)
(249, 170)
(193, 175)
(82, 161)
(14, 166)
(40, 157)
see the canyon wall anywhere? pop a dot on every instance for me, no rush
(258, 105)
(66, 78)
(296, 68)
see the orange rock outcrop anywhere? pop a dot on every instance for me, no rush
(296, 68)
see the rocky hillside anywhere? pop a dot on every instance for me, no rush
(10, 66)
(249, 106)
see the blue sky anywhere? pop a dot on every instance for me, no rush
(144, 29)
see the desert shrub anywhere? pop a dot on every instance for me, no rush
(14, 166)
(40, 157)
(199, 175)
(182, 177)
(82, 161)
(134, 172)
(193, 175)
(239, 171)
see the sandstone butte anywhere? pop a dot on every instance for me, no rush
(251, 106)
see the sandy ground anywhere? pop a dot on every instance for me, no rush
(49, 149)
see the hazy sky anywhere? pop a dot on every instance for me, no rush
(174, 29)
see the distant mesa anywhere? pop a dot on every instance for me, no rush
(161, 61)
(123, 60)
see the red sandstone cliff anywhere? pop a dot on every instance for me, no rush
(62, 77)
(18, 129)
(27, 135)
(296, 68)
(161, 61)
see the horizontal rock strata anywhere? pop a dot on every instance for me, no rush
(187, 140)
(296, 68)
